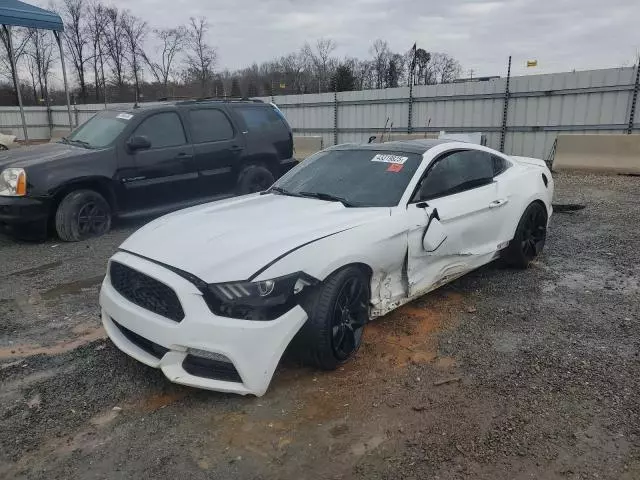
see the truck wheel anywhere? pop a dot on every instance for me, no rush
(82, 214)
(529, 239)
(338, 311)
(254, 178)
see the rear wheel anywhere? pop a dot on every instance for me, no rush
(254, 178)
(82, 214)
(338, 311)
(530, 237)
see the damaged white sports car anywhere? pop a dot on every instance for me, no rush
(213, 295)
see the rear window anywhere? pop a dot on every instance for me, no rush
(366, 178)
(259, 118)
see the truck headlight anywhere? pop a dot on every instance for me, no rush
(13, 182)
(261, 300)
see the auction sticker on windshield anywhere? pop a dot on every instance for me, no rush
(125, 116)
(388, 158)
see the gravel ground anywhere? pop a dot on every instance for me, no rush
(502, 374)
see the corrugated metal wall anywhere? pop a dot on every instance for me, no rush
(540, 106)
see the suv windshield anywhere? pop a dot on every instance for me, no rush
(357, 178)
(100, 130)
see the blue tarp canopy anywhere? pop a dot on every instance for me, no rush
(20, 14)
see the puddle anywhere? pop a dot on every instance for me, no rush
(86, 335)
(35, 271)
(72, 288)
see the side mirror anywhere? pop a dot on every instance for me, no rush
(434, 234)
(138, 142)
(372, 138)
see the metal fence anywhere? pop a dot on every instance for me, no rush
(538, 108)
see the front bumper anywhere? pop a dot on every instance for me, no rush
(254, 348)
(23, 211)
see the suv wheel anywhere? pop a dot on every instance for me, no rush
(82, 214)
(254, 178)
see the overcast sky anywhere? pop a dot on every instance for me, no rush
(481, 34)
(561, 34)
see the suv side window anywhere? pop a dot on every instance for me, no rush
(259, 119)
(456, 172)
(210, 125)
(162, 130)
(499, 165)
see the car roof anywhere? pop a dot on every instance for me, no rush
(419, 146)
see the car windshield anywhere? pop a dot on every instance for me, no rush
(357, 178)
(101, 130)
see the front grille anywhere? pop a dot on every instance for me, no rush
(214, 369)
(146, 292)
(148, 346)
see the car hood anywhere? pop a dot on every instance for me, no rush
(37, 154)
(232, 239)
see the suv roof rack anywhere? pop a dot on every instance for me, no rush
(216, 99)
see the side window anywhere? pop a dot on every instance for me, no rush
(499, 165)
(210, 125)
(456, 172)
(162, 130)
(259, 119)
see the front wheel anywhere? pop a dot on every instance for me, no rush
(529, 238)
(338, 311)
(82, 214)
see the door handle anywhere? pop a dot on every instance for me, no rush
(498, 203)
(183, 155)
(236, 148)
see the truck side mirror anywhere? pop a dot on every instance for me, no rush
(138, 142)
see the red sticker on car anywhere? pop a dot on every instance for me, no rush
(395, 167)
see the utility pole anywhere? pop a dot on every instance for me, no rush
(471, 74)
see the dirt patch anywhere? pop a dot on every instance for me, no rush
(83, 334)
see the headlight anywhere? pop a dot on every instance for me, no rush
(13, 182)
(262, 300)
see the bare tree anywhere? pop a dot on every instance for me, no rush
(20, 39)
(443, 69)
(321, 60)
(201, 57)
(97, 21)
(115, 45)
(77, 39)
(135, 31)
(172, 41)
(380, 51)
(40, 52)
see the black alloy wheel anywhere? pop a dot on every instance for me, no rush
(92, 220)
(530, 237)
(350, 315)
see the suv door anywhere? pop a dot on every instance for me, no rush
(218, 148)
(460, 186)
(164, 173)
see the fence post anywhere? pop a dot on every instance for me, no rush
(634, 99)
(410, 119)
(505, 110)
(335, 116)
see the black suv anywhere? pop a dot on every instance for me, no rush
(143, 161)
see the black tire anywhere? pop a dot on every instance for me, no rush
(254, 178)
(333, 332)
(529, 238)
(82, 214)
(3, 147)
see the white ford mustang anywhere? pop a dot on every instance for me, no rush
(214, 294)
